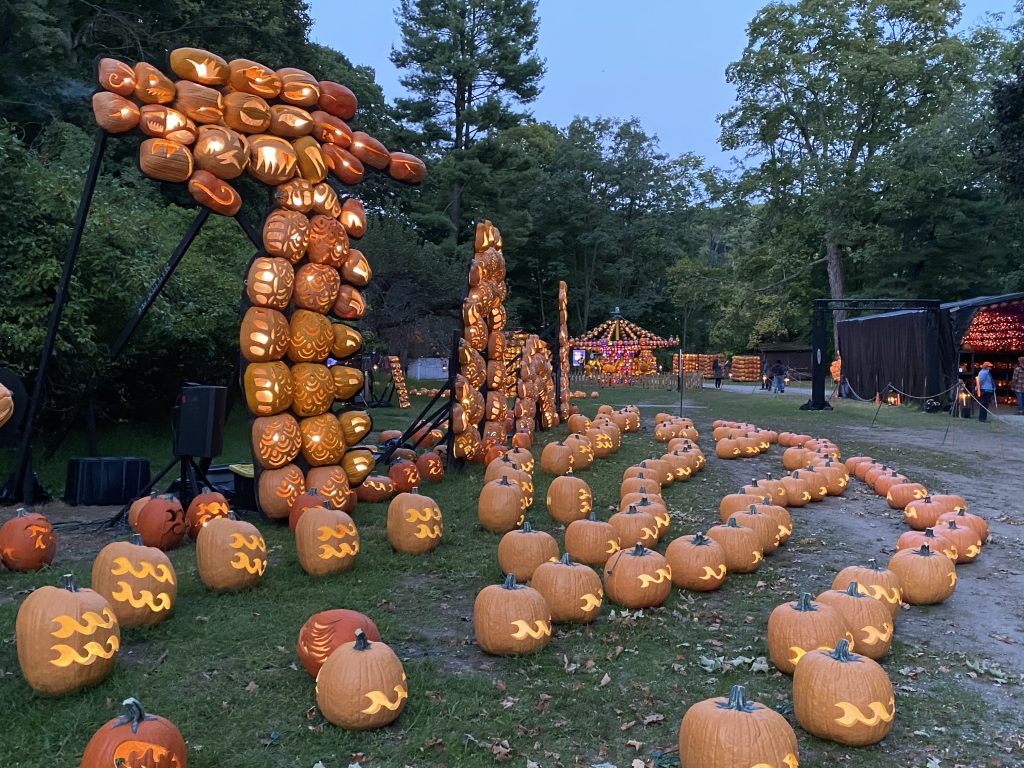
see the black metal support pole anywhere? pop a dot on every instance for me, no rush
(250, 231)
(161, 280)
(453, 371)
(24, 479)
(819, 340)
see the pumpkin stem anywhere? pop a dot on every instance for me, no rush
(527, 528)
(415, 490)
(510, 581)
(639, 550)
(929, 533)
(22, 512)
(566, 560)
(504, 480)
(592, 517)
(952, 525)
(311, 491)
(137, 539)
(632, 510)
(699, 539)
(361, 642)
(69, 582)
(873, 564)
(853, 591)
(805, 603)
(133, 713)
(842, 652)
(925, 551)
(738, 700)
(752, 510)
(732, 523)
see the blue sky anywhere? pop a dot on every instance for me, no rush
(662, 61)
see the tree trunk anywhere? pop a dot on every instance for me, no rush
(836, 283)
(456, 211)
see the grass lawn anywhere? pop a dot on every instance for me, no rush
(224, 669)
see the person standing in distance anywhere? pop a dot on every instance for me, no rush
(986, 390)
(716, 368)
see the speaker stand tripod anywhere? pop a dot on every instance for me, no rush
(188, 488)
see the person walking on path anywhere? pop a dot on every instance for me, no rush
(986, 390)
(1017, 384)
(716, 368)
(779, 376)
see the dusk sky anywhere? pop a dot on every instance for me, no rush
(662, 61)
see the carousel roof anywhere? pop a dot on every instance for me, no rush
(617, 331)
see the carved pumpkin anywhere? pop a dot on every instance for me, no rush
(286, 234)
(431, 467)
(272, 159)
(325, 200)
(414, 523)
(138, 581)
(879, 583)
(263, 335)
(250, 76)
(801, 626)
(357, 463)
(569, 498)
(298, 87)
(404, 474)
(500, 506)
(361, 685)
(900, 495)
(356, 269)
(326, 541)
(330, 129)
(353, 217)
(116, 76)
(337, 99)
(867, 620)
(375, 489)
(370, 151)
(322, 441)
(27, 542)
(346, 341)
(742, 546)
(326, 631)
(165, 160)
(268, 387)
(276, 440)
(637, 577)
(246, 113)
(350, 304)
(136, 739)
(347, 381)
(765, 526)
(278, 488)
(113, 113)
(965, 519)
(933, 538)
(308, 499)
(270, 281)
(311, 160)
(405, 167)
(204, 507)
(843, 697)
(521, 551)
(290, 122)
(964, 538)
(733, 731)
(556, 459)
(316, 287)
(331, 482)
(160, 522)
(345, 166)
(572, 591)
(511, 619)
(635, 525)
(926, 577)
(199, 103)
(591, 541)
(355, 425)
(219, 196)
(328, 241)
(231, 554)
(312, 336)
(295, 195)
(220, 151)
(67, 638)
(199, 65)
(697, 562)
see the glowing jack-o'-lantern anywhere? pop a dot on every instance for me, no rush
(801, 626)
(290, 121)
(871, 580)
(231, 554)
(356, 269)
(414, 523)
(298, 87)
(331, 482)
(202, 104)
(742, 546)
(325, 632)
(370, 150)
(487, 236)
(328, 241)
(431, 467)
(27, 542)
(362, 685)
(152, 86)
(355, 425)
(316, 287)
(322, 441)
(312, 390)
(268, 387)
(312, 337)
(357, 463)
(138, 581)
(345, 166)
(270, 282)
(286, 234)
(165, 160)
(329, 129)
(116, 76)
(67, 638)
(199, 66)
(326, 541)
(246, 113)
(325, 200)
(867, 619)
(295, 195)
(843, 697)
(348, 381)
(637, 577)
(263, 335)
(337, 99)
(204, 507)
(278, 488)
(271, 159)
(252, 77)
(347, 341)
(697, 563)
(312, 165)
(925, 577)
(511, 619)
(404, 473)
(220, 151)
(375, 489)
(407, 168)
(572, 591)
(160, 521)
(734, 731)
(522, 550)
(353, 217)
(500, 505)
(569, 498)
(113, 113)
(136, 739)
(217, 195)
(163, 122)
(591, 541)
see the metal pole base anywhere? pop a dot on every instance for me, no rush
(810, 405)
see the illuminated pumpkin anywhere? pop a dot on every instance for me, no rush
(375, 489)
(764, 525)
(867, 620)
(165, 160)
(264, 335)
(113, 113)
(138, 581)
(511, 619)
(312, 336)
(268, 387)
(355, 425)
(521, 551)
(231, 554)
(724, 732)
(136, 739)
(298, 87)
(295, 195)
(741, 546)
(900, 495)
(252, 77)
(356, 269)
(329, 129)
(934, 538)
(204, 507)
(310, 158)
(346, 341)
(347, 381)
(353, 217)
(362, 685)
(278, 488)
(404, 474)
(67, 639)
(345, 166)
(326, 541)
(116, 76)
(431, 467)
(217, 195)
(591, 541)
(635, 524)
(798, 490)
(220, 151)
(843, 697)
(271, 159)
(370, 151)
(573, 592)
(276, 440)
(697, 562)
(316, 287)
(312, 390)
(965, 519)
(637, 578)
(27, 542)
(879, 583)
(270, 282)
(325, 631)
(289, 121)
(331, 482)
(556, 459)
(325, 200)
(161, 522)
(246, 113)
(337, 99)
(202, 104)
(801, 626)
(286, 234)
(328, 241)
(199, 65)
(405, 167)
(414, 523)
(322, 441)
(569, 498)
(925, 577)
(500, 505)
